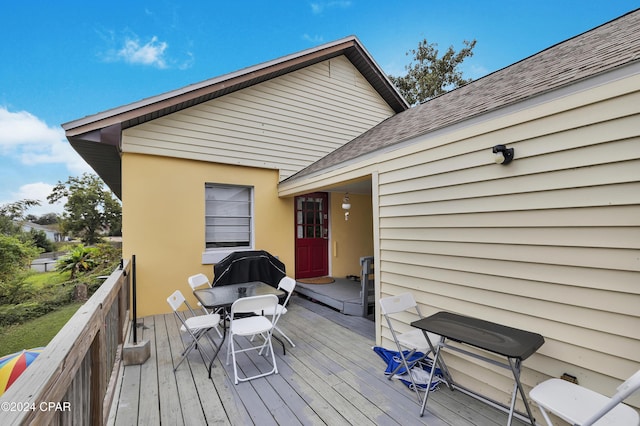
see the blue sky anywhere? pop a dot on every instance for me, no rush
(65, 60)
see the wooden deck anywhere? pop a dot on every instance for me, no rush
(331, 377)
(342, 295)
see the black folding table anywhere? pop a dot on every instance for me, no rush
(514, 344)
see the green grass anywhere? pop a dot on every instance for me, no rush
(48, 293)
(36, 332)
(41, 279)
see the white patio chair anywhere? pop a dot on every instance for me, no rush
(412, 340)
(199, 280)
(197, 325)
(583, 407)
(250, 326)
(287, 284)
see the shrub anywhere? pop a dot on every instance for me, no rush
(48, 300)
(25, 298)
(15, 290)
(12, 314)
(16, 256)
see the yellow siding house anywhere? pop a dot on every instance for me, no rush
(197, 169)
(549, 242)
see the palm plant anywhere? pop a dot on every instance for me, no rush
(79, 259)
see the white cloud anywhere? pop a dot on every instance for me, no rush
(313, 39)
(31, 141)
(131, 49)
(187, 63)
(23, 128)
(34, 191)
(39, 191)
(319, 7)
(150, 53)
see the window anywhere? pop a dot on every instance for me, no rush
(228, 216)
(310, 215)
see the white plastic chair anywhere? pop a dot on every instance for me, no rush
(412, 340)
(199, 280)
(583, 407)
(197, 325)
(249, 326)
(287, 284)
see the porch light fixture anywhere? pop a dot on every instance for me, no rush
(503, 155)
(346, 205)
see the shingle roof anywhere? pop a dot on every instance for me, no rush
(604, 48)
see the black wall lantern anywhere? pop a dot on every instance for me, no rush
(503, 155)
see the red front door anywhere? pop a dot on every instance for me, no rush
(312, 235)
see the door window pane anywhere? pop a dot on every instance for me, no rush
(310, 221)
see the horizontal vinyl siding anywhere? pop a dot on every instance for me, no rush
(549, 243)
(285, 123)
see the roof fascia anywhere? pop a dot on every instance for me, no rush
(237, 79)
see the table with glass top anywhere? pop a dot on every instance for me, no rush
(222, 297)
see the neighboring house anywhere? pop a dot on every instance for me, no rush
(548, 243)
(50, 231)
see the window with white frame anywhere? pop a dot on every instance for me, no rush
(228, 216)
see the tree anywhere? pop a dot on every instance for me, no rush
(45, 219)
(429, 75)
(17, 250)
(90, 209)
(16, 256)
(40, 240)
(12, 213)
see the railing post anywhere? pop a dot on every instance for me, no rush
(134, 353)
(98, 378)
(135, 301)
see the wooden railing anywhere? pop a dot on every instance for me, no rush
(73, 380)
(367, 282)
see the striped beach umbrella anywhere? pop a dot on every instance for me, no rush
(12, 366)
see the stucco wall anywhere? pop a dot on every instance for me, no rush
(352, 239)
(163, 221)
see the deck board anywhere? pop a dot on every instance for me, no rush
(337, 295)
(332, 377)
(148, 397)
(169, 398)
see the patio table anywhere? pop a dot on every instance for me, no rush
(514, 344)
(223, 297)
